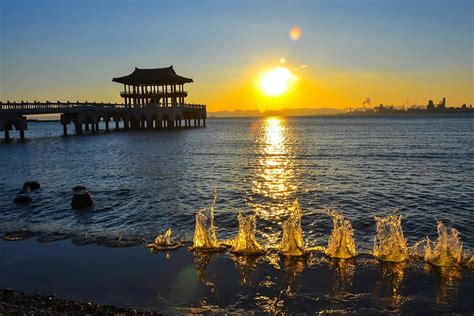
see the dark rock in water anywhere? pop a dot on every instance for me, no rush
(87, 240)
(122, 242)
(24, 191)
(18, 235)
(79, 188)
(50, 237)
(32, 185)
(82, 200)
(22, 199)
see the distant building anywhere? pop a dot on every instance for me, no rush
(430, 106)
(442, 104)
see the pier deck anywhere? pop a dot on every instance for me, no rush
(86, 115)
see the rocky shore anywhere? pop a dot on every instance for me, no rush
(17, 303)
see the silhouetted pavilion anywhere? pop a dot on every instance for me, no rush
(159, 86)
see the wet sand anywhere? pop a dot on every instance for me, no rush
(180, 281)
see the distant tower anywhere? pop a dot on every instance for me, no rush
(430, 106)
(442, 104)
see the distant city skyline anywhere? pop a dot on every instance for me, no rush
(342, 52)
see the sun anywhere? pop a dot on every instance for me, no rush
(276, 81)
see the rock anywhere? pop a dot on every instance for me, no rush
(32, 185)
(79, 188)
(25, 190)
(18, 235)
(82, 200)
(22, 199)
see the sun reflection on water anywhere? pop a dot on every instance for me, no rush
(273, 186)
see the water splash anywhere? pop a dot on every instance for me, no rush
(390, 244)
(445, 251)
(292, 242)
(245, 241)
(205, 232)
(164, 242)
(341, 243)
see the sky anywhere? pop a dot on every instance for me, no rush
(399, 52)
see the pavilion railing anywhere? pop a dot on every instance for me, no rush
(150, 94)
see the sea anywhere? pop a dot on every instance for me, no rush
(144, 182)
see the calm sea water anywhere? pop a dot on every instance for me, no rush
(145, 182)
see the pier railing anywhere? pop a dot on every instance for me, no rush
(52, 107)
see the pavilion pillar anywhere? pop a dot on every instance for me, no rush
(7, 135)
(65, 129)
(107, 126)
(22, 135)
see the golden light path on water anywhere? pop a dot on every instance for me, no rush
(274, 184)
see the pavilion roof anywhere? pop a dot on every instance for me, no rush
(158, 76)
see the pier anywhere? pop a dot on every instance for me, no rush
(153, 99)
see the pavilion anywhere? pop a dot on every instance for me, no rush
(157, 86)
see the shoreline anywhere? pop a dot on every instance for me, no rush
(15, 302)
(181, 281)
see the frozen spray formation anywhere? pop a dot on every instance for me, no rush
(292, 242)
(245, 241)
(205, 232)
(164, 242)
(341, 243)
(389, 243)
(446, 250)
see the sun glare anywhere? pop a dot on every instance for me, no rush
(275, 82)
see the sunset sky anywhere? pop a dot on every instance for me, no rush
(393, 52)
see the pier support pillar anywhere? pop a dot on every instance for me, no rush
(93, 128)
(117, 127)
(204, 122)
(78, 129)
(65, 129)
(106, 126)
(97, 126)
(22, 135)
(7, 135)
(86, 127)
